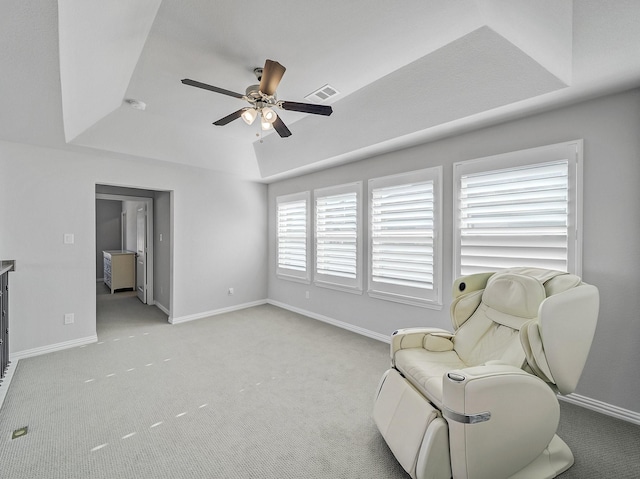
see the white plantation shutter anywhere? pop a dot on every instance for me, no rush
(520, 216)
(337, 233)
(292, 236)
(338, 237)
(404, 222)
(402, 235)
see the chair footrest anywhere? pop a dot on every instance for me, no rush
(413, 429)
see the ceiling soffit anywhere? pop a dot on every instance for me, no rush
(478, 72)
(497, 53)
(542, 29)
(100, 43)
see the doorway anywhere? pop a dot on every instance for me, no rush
(141, 222)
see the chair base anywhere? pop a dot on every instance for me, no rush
(554, 460)
(419, 437)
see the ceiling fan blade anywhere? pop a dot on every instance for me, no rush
(229, 118)
(204, 86)
(281, 128)
(307, 108)
(271, 76)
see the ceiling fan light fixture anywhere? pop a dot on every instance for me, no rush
(265, 125)
(269, 115)
(249, 115)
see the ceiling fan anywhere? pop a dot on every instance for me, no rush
(262, 99)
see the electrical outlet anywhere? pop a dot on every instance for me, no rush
(69, 238)
(69, 318)
(307, 295)
(230, 291)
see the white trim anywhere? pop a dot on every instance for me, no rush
(6, 380)
(407, 295)
(579, 185)
(51, 348)
(215, 312)
(574, 151)
(99, 280)
(293, 278)
(287, 273)
(583, 401)
(588, 403)
(602, 407)
(406, 299)
(385, 338)
(162, 308)
(117, 197)
(331, 281)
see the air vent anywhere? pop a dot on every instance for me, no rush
(322, 94)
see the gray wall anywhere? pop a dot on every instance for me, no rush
(610, 127)
(107, 230)
(219, 239)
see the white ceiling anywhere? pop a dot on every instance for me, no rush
(406, 71)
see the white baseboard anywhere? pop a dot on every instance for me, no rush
(341, 324)
(586, 402)
(603, 407)
(593, 404)
(99, 280)
(215, 312)
(8, 375)
(28, 353)
(162, 308)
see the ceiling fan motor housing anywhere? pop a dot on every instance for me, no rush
(253, 92)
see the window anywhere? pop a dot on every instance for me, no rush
(293, 237)
(338, 252)
(520, 209)
(405, 221)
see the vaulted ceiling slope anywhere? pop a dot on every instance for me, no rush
(406, 72)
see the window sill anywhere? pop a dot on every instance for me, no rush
(295, 279)
(338, 287)
(412, 301)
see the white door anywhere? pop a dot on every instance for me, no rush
(141, 260)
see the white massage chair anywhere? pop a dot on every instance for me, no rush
(481, 403)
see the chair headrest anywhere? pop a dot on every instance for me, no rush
(554, 281)
(515, 297)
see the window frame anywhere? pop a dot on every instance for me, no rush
(349, 285)
(289, 273)
(407, 294)
(572, 151)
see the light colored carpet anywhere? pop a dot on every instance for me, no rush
(257, 393)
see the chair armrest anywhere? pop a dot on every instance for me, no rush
(415, 338)
(497, 411)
